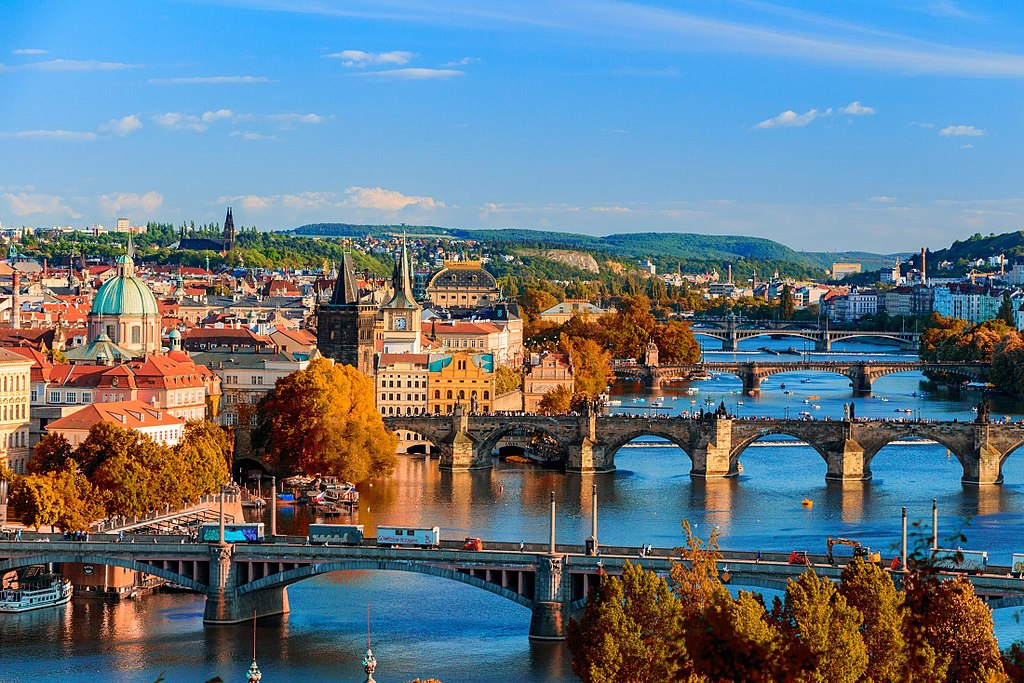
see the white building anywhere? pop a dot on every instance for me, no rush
(159, 425)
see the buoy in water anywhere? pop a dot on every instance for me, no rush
(807, 503)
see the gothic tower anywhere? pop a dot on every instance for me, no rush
(344, 328)
(229, 232)
(402, 315)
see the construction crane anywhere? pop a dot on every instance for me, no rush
(859, 551)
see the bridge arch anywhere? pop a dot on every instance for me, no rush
(20, 562)
(491, 439)
(291, 576)
(739, 448)
(873, 449)
(615, 443)
(745, 334)
(839, 336)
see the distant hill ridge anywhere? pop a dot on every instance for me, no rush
(663, 245)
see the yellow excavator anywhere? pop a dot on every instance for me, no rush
(860, 551)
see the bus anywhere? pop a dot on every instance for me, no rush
(233, 533)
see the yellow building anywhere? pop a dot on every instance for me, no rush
(15, 392)
(460, 378)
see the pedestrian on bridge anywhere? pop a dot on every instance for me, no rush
(522, 546)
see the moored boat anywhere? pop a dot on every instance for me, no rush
(36, 592)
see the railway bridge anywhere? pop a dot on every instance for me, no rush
(552, 581)
(714, 443)
(860, 373)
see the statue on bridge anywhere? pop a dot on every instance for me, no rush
(984, 411)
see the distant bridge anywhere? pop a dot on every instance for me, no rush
(242, 580)
(714, 445)
(860, 373)
(731, 332)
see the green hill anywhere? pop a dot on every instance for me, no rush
(1009, 244)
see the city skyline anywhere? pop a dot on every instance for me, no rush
(879, 126)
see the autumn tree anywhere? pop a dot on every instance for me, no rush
(630, 631)
(629, 328)
(1007, 371)
(50, 454)
(591, 364)
(676, 343)
(322, 420)
(507, 379)
(872, 592)
(34, 500)
(695, 578)
(939, 329)
(1007, 311)
(205, 457)
(80, 502)
(556, 401)
(821, 633)
(733, 640)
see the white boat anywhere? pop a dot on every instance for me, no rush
(44, 590)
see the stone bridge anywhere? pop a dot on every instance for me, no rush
(861, 373)
(242, 580)
(731, 333)
(715, 445)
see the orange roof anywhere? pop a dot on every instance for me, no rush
(125, 414)
(389, 358)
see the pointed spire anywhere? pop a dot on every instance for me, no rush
(402, 297)
(346, 291)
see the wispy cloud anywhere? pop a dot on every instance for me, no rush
(294, 117)
(118, 203)
(855, 108)
(413, 74)
(30, 51)
(219, 115)
(370, 198)
(122, 126)
(176, 120)
(249, 135)
(790, 119)
(882, 199)
(961, 131)
(67, 135)
(209, 80)
(358, 59)
(465, 61)
(65, 65)
(27, 204)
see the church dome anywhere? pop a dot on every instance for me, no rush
(125, 294)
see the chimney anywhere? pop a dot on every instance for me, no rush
(15, 301)
(924, 272)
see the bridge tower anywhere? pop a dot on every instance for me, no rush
(588, 453)
(460, 451)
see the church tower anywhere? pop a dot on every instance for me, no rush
(402, 314)
(344, 328)
(229, 232)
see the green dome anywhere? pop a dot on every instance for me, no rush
(125, 295)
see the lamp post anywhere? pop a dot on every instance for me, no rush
(551, 544)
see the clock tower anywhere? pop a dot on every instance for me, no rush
(402, 314)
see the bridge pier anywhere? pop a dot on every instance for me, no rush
(984, 467)
(589, 454)
(551, 599)
(823, 343)
(712, 453)
(846, 462)
(460, 451)
(731, 342)
(224, 605)
(861, 380)
(751, 383)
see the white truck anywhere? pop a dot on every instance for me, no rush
(408, 536)
(969, 561)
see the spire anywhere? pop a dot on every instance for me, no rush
(402, 297)
(229, 231)
(345, 289)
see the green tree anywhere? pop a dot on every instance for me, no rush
(507, 379)
(871, 592)
(787, 305)
(1007, 311)
(205, 457)
(821, 633)
(323, 420)
(630, 631)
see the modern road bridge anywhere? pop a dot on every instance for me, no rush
(731, 332)
(242, 580)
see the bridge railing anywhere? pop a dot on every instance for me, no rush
(118, 522)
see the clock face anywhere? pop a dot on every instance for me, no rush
(399, 323)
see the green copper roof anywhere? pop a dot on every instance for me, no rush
(124, 295)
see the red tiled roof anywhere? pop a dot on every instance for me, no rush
(125, 414)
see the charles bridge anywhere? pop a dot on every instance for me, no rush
(861, 373)
(552, 581)
(731, 332)
(713, 443)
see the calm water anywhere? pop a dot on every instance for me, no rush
(425, 626)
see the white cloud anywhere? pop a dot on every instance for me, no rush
(790, 119)
(176, 120)
(26, 204)
(855, 108)
(359, 59)
(118, 203)
(967, 146)
(882, 199)
(465, 61)
(211, 116)
(68, 135)
(122, 126)
(251, 136)
(70, 65)
(209, 80)
(413, 74)
(386, 200)
(961, 131)
(611, 209)
(30, 51)
(298, 118)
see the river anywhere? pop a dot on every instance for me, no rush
(429, 627)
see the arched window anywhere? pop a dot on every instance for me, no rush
(473, 394)
(437, 393)
(487, 395)
(449, 393)
(462, 393)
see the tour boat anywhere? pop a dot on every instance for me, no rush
(37, 592)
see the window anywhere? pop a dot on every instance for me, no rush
(86, 397)
(35, 396)
(136, 334)
(72, 397)
(257, 379)
(449, 394)
(437, 393)
(54, 397)
(487, 395)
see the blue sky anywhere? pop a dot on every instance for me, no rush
(879, 124)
